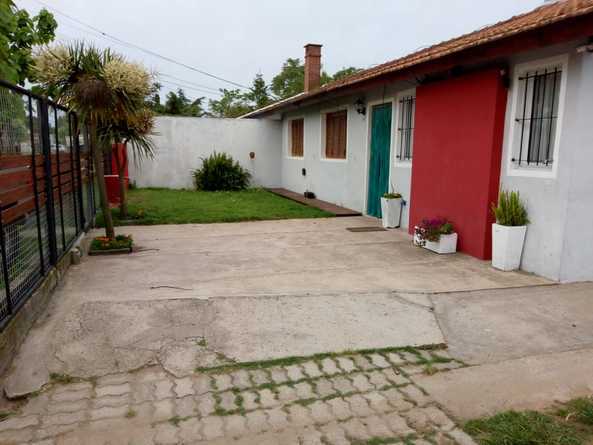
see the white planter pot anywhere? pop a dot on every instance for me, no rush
(446, 243)
(391, 210)
(507, 246)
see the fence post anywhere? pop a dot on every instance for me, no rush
(76, 148)
(59, 171)
(5, 265)
(72, 174)
(35, 189)
(51, 217)
(91, 168)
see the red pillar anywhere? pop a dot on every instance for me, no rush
(112, 181)
(459, 125)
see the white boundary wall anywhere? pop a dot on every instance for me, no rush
(182, 141)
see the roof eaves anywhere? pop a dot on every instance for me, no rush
(552, 13)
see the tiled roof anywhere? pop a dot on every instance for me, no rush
(547, 14)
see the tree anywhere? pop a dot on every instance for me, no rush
(133, 130)
(177, 104)
(19, 33)
(154, 99)
(291, 79)
(258, 94)
(196, 108)
(345, 72)
(102, 87)
(231, 104)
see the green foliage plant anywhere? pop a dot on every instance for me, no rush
(510, 210)
(19, 33)
(220, 171)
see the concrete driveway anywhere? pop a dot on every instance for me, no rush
(251, 291)
(132, 330)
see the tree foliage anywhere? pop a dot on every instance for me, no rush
(19, 33)
(232, 104)
(103, 88)
(176, 103)
(291, 78)
(345, 72)
(259, 93)
(179, 104)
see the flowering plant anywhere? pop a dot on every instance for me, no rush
(432, 229)
(105, 243)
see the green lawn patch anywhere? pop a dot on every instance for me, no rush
(165, 206)
(571, 424)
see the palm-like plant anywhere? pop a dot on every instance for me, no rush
(133, 129)
(101, 87)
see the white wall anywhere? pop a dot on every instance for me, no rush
(343, 182)
(337, 181)
(559, 242)
(182, 141)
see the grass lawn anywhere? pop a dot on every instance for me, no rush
(165, 206)
(569, 424)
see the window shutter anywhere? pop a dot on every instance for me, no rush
(297, 137)
(335, 135)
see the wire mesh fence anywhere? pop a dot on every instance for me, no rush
(46, 191)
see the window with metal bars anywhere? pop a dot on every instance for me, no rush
(405, 128)
(536, 117)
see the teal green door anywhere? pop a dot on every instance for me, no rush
(379, 160)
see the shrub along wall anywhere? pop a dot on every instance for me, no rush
(182, 141)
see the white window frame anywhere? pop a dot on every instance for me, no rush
(289, 137)
(323, 115)
(395, 139)
(538, 171)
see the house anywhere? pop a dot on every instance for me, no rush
(509, 106)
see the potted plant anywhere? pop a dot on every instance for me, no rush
(508, 232)
(391, 209)
(436, 234)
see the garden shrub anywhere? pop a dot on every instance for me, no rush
(220, 171)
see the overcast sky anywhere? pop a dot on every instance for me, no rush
(236, 39)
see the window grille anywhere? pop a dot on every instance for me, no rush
(405, 129)
(537, 117)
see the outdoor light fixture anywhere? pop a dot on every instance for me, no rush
(360, 107)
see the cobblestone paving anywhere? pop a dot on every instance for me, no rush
(335, 399)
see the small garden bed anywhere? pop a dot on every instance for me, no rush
(164, 206)
(102, 245)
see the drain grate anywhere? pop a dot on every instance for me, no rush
(366, 229)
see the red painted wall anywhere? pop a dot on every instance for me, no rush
(457, 151)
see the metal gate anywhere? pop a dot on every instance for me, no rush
(46, 191)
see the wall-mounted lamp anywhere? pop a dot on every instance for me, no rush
(360, 107)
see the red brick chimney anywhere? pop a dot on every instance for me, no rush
(312, 67)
